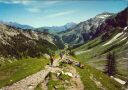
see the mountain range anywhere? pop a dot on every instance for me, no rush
(17, 25)
(87, 45)
(52, 29)
(57, 29)
(71, 33)
(84, 31)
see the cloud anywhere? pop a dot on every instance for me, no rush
(51, 2)
(38, 6)
(32, 6)
(34, 10)
(24, 2)
(60, 14)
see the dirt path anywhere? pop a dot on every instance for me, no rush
(30, 82)
(78, 84)
(76, 81)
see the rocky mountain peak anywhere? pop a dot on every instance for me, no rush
(94, 27)
(70, 25)
(104, 15)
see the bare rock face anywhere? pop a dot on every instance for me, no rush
(118, 21)
(101, 24)
(84, 30)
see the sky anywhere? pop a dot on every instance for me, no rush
(39, 13)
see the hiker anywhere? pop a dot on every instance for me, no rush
(61, 55)
(51, 60)
(69, 61)
(80, 65)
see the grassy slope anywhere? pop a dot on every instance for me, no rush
(105, 81)
(96, 58)
(89, 84)
(17, 70)
(97, 53)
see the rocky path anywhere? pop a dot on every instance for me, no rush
(30, 82)
(76, 81)
(78, 85)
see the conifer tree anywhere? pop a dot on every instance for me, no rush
(111, 64)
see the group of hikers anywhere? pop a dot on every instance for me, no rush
(52, 58)
(78, 64)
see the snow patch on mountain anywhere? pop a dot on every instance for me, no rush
(125, 28)
(114, 38)
(118, 80)
(124, 38)
(103, 16)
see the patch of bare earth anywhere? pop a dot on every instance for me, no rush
(76, 81)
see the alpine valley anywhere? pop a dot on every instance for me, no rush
(87, 47)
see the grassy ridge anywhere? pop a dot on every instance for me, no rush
(97, 54)
(97, 47)
(17, 70)
(97, 50)
(105, 81)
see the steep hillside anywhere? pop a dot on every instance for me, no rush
(84, 31)
(119, 20)
(18, 43)
(109, 38)
(95, 52)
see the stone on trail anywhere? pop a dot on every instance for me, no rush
(69, 74)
